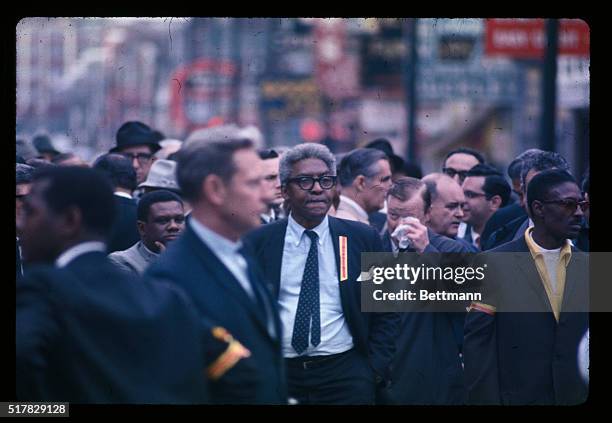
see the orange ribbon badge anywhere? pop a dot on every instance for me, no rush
(343, 258)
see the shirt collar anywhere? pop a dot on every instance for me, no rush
(221, 244)
(145, 251)
(123, 194)
(77, 250)
(295, 231)
(565, 253)
(358, 209)
(269, 217)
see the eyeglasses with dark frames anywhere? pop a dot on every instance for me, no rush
(569, 204)
(472, 194)
(308, 182)
(143, 158)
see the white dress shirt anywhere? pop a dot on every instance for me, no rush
(227, 252)
(335, 334)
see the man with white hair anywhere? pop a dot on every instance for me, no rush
(334, 353)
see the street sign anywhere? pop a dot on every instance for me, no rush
(526, 38)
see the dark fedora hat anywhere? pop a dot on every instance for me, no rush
(135, 133)
(43, 144)
(384, 145)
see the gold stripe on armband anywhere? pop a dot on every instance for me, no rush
(234, 352)
(485, 308)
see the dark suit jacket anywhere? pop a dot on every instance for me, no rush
(88, 334)
(219, 298)
(18, 273)
(505, 233)
(427, 366)
(124, 233)
(373, 333)
(377, 220)
(527, 357)
(499, 219)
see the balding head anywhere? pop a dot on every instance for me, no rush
(447, 201)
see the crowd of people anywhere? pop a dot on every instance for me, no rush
(211, 271)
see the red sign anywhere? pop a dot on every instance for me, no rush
(526, 38)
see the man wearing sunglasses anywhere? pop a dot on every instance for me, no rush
(335, 354)
(459, 161)
(521, 343)
(139, 143)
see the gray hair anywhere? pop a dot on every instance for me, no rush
(23, 174)
(301, 152)
(199, 158)
(516, 165)
(540, 161)
(361, 161)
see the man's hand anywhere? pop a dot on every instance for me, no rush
(417, 234)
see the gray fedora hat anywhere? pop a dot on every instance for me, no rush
(162, 175)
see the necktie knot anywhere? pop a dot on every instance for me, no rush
(312, 235)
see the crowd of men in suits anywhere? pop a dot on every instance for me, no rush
(209, 271)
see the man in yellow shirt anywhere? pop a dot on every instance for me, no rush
(521, 342)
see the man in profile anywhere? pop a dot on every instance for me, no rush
(221, 179)
(112, 340)
(521, 341)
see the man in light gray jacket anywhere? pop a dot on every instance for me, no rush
(160, 219)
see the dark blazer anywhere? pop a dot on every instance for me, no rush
(499, 219)
(219, 298)
(377, 220)
(467, 244)
(506, 233)
(88, 334)
(18, 270)
(373, 333)
(124, 233)
(427, 367)
(527, 357)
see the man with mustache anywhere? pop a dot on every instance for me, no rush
(161, 219)
(335, 354)
(521, 342)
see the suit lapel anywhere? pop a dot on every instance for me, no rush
(574, 275)
(532, 276)
(273, 253)
(224, 278)
(335, 232)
